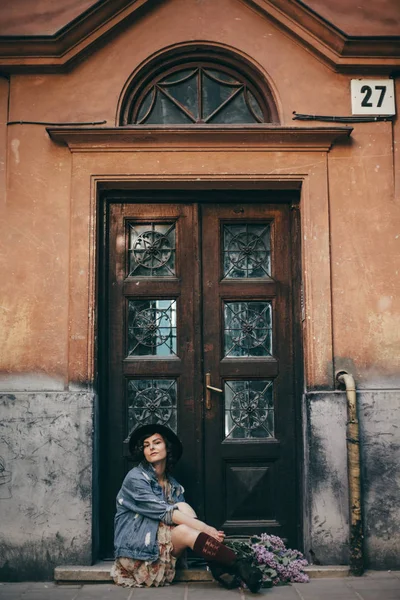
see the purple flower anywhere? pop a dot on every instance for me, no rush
(280, 564)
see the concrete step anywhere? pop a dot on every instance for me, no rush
(100, 572)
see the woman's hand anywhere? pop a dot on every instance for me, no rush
(211, 531)
(180, 518)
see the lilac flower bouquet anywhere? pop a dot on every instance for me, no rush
(279, 565)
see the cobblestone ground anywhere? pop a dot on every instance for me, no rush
(372, 586)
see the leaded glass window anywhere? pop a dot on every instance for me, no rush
(246, 251)
(247, 329)
(198, 94)
(249, 409)
(152, 401)
(152, 249)
(152, 328)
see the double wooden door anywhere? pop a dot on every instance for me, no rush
(199, 337)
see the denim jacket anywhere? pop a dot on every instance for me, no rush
(141, 505)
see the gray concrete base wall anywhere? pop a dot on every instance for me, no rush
(327, 488)
(46, 460)
(326, 484)
(380, 453)
(45, 482)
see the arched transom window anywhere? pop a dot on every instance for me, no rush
(197, 93)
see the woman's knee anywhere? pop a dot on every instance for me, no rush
(181, 531)
(183, 537)
(184, 534)
(186, 509)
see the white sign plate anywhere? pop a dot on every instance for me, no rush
(372, 97)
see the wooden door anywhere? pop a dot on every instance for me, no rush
(152, 358)
(196, 292)
(248, 355)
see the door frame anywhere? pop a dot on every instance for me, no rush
(164, 158)
(117, 193)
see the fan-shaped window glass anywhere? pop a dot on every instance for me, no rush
(199, 95)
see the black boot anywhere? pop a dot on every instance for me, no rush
(224, 575)
(248, 573)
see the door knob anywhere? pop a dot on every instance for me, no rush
(210, 388)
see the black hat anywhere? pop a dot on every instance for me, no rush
(148, 430)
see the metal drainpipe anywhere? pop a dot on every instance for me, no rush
(353, 462)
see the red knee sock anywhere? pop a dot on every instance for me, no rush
(211, 549)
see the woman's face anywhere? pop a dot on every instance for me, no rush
(154, 448)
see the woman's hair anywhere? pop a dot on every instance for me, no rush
(139, 450)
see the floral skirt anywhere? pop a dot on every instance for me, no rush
(130, 572)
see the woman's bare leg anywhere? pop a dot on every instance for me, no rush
(183, 537)
(186, 509)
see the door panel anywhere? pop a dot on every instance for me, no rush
(196, 290)
(247, 313)
(152, 355)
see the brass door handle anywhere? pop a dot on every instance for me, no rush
(210, 388)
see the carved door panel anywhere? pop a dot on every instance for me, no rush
(200, 293)
(247, 316)
(152, 357)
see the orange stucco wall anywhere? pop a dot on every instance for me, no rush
(365, 256)
(41, 259)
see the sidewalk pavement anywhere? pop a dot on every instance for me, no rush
(374, 585)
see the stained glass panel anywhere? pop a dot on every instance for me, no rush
(255, 107)
(249, 409)
(178, 76)
(146, 105)
(152, 401)
(152, 249)
(221, 76)
(165, 111)
(247, 329)
(234, 111)
(215, 93)
(246, 251)
(186, 93)
(198, 95)
(151, 327)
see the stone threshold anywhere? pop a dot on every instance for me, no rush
(100, 572)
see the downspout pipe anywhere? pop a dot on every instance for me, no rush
(354, 474)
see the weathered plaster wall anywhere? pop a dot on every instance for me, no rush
(365, 246)
(45, 482)
(328, 507)
(47, 268)
(327, 478)
(4, 88)
(396, 143)
(91, 90)
(35, 262)
(380, 453)
(364, 218)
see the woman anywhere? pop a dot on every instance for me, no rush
(154, 524)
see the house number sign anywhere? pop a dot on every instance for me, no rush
(372, 97)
